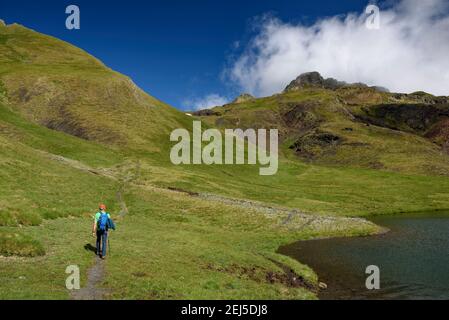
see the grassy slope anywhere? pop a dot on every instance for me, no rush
(57, 85)
(181, 247)
(170, 245)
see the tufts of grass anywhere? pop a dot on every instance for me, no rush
(19, 244)
(9, 217)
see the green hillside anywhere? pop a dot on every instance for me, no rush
(351, 127)
(61, 87)
(74, 133)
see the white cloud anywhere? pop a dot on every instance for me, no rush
(206, 102)
(409, 52)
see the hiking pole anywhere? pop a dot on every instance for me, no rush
(109, 246)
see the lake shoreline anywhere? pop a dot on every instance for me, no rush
(401, 226)
(379, 232)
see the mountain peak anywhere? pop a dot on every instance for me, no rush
(243, 98)
(315, 80)
(306, 80)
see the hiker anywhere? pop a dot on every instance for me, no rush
(100, 229)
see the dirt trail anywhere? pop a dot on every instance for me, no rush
(124, 180)
(97, 273)
(124, 209)
(95, 276)
(127, 179)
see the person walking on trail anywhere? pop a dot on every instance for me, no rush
(100, 229)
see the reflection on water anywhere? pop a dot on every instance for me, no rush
(413, 259)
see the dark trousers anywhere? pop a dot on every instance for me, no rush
(102, 242)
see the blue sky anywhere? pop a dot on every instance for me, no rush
(175, 50)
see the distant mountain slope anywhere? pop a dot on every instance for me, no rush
(57, 85)
(349, 125)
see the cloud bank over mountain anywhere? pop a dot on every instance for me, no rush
(409, 51)
(206, 102)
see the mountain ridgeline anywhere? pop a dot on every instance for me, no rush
(326, 121)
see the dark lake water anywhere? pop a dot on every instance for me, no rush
(413, 259)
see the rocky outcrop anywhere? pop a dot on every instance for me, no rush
(428, 120)
(315, 80)
(306, 80)
(300, 117)
(315, 144)
(243, 98)
(205, 113)
(414, 118)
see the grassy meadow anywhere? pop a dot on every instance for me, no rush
(172, 245)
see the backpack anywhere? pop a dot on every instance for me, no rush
(103, 222)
